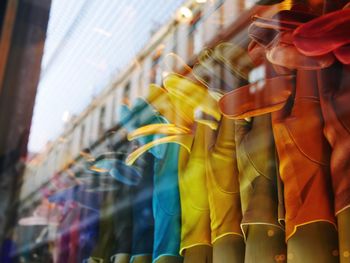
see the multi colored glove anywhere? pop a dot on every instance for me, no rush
(195, 229)
(303, 163)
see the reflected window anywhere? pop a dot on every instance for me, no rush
(156, 76)
(126, 94)
(101, 125)
(140, 82)
(195, 37)
(82, 135)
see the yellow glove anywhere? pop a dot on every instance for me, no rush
(220, 166)
(222, 173)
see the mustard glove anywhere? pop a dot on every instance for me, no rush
(223, 184)
(259, 189)
(257, 169)
(224, 196)
(195, 229)
(180, 114)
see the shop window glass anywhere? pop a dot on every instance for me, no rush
(241, 146)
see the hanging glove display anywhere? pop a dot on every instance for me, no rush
(303, 163)
(259, 174)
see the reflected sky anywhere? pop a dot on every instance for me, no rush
(88, 42)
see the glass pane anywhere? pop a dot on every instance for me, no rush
(174, 131)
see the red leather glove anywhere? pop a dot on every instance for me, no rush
(324, 35)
